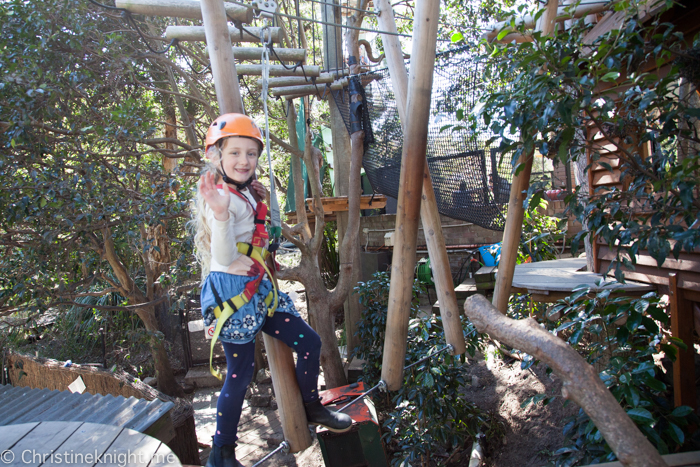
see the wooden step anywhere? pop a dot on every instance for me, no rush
(278, 70)
(196, 33)
(300, 90)
(485, 277)
(182, 9)
(466, 289)
(322, 78)
(255, 53)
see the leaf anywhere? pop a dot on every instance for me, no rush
(456, 37)
(654, 384)
(640, 415)
(675, 433)
(681, 411)
(641, 306)
(502, 34)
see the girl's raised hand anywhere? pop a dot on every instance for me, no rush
(260, 190)
(216, 201)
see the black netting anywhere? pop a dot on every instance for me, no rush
(471, 180)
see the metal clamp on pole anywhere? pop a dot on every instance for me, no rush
(356, 104)
(266, 8)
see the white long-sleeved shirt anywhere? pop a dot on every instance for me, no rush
(226, 234)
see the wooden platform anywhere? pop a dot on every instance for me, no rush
(256, 426)
(336, 204)
(80, 443)
(549, 281)
(462, 291)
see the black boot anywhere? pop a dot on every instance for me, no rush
(317, 414)
(224, 456)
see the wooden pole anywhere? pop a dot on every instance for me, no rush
(279, 70)
(586, 7)
(197, 33)
(223, 66)
(516, 211)
(343, 148)
(291, 407)
(255, 53)
(182, 9)
(294, 90)
(432, 225)
(410, 186)
(323, 78)
(682, 324)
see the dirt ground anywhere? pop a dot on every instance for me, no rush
(531, 433)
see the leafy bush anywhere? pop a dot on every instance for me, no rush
(621, 335)
(427, 413)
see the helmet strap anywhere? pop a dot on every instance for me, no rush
(230, 181)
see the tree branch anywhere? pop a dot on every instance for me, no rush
(580, 380)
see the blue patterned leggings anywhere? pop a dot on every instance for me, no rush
(291, 330)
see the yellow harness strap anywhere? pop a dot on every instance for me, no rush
(259, 255)
(233, 304)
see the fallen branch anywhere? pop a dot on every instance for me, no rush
(580, 381)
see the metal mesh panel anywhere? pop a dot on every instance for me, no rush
(471, 180)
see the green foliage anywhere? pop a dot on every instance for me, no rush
(329, 258)
(427, 413)
(540, 232)
(80, 161)
(560, 92)
(621, 336)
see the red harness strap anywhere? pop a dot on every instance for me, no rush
(260, 237)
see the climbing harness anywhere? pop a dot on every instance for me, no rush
(256, 251)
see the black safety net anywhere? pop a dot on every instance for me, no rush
(471, 179)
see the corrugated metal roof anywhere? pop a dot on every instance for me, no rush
(24, 405)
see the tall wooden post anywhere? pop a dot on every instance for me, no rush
(682, 325)
(288, 395)
(410, 186)
(223, 67)
(516, 211)
(292, 413)
(430, 217)
(333, 60)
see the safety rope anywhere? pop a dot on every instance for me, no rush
(275, 219)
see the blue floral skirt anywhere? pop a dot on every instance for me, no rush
(245, 323)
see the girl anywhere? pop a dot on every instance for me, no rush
(231, 243)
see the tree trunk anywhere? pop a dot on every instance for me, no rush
(169, 163)
(164, 372)
(325, 327)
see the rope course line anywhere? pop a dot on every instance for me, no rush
(129, 19)
(328, 23)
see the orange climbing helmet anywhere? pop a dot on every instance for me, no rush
(233, 125)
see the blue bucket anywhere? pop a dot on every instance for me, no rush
(490, 254)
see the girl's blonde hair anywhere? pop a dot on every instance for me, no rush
(202, 230)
